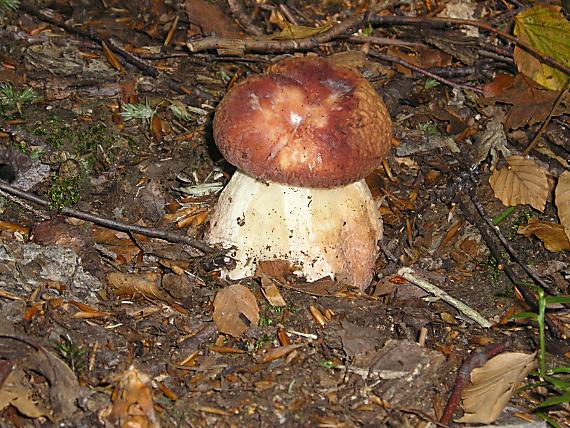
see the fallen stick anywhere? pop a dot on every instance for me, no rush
(112, 224)
(469, 312)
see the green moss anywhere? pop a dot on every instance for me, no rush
(327, 364)
(261, 341)
(429, 128)
(54, 131)
(63, 193)
(97, 134)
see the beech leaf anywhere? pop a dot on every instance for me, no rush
(229, 304)
(492, 386)
(551, 234)
(522, 181)
(546, 29)
(562, 198)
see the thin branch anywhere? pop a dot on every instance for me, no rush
(384, 41)
(529, 297)
(112, 224)
(438, 21)
(547, 120)
(512, 253)
(23, 204)
(130, 58)
(469, 312)
(349, 25)
(243, 19)
(424, 72)
(113, 45)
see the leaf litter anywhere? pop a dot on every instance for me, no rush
(162, 338)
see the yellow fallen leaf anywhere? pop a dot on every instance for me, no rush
(492, 386)
(521, 181)
(562, 198)
(551, 234)
(547, 30)
(229, 304)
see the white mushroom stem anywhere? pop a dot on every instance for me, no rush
(325, 232)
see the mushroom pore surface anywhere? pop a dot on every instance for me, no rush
(307, 122)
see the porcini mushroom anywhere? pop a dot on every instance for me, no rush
(303, 136)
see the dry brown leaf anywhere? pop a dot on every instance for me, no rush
(270, 271)
(495, 87)
(14, 393)
(492, 386)
(63, 390)
(229, 304)
(522, 181)
(113, 60)
(129, 284)
(280, 352)
(10, 227)
(132, 401)
(562, 197)
(271, 292)
(531, 102)
(551, 234)
(206, 18)
(156, 129)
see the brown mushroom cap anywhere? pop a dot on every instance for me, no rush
(307, 122)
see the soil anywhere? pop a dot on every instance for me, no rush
(128, 316)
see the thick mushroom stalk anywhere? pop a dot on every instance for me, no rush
(324, 232)
(303, 137)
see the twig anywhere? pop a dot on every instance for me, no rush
(547, 120)
(475, 360)
(384, 41)
(243, 19)
(288, 14)
(424, 72)
(532, 274)
(112, 224)
(24, 205)
(528, 296)
(469, 312)
(438, 21)
(349, 25)
(112, 44)
(130, 58)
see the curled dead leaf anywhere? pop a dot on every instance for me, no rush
(493, 385)
(230, 304)
(129, 284)
(280, 352)
(14, 391)
(64, 388)
(132, 401)
(562, 198)
(552, 235)
(522, 181)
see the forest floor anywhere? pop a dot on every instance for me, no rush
(106, 108)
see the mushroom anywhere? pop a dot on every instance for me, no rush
(303, 136)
